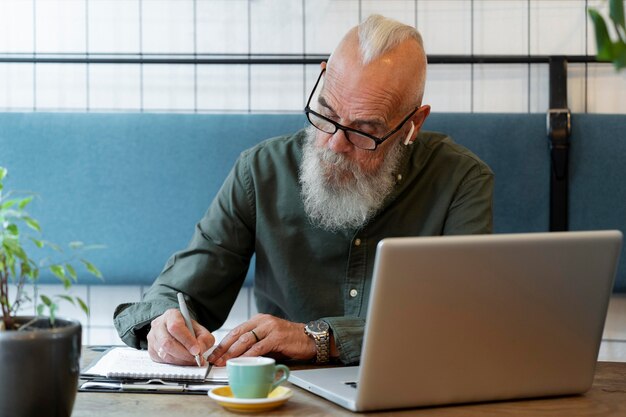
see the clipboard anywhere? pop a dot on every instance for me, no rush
(102, 375)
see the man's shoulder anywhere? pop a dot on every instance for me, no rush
(278, 146)
(280, 154)
(442, 147)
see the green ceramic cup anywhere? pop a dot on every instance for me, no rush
(254, 377)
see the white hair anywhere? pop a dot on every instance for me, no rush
(379, 34)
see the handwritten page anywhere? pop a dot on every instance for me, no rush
(125, 362)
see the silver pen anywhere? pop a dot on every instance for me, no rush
(185, 312)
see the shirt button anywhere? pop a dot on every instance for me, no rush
(353, 293)
(357, 242)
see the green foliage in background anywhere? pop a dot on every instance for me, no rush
(18, 268)
(609, 49)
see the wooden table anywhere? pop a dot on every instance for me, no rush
(607, 397)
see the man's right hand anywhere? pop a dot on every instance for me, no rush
(170, 341)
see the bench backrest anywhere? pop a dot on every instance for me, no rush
(138, 183)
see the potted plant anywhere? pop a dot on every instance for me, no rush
(609, 49)
(39, 354)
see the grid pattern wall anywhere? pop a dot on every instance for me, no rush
(463, 27)
(449, 27)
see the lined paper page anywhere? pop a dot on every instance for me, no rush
(126, 362)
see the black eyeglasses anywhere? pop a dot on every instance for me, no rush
(356, 137)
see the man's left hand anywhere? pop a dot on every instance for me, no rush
(264, 334)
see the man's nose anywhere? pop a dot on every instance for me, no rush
(339, 142)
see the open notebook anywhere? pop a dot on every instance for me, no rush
(129, 363)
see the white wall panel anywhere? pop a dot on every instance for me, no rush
(222, 26)
(501, 88)
(113, 26)
(326, 23)
(168, 87)
(104, 298)
(446, 26)
(557, 27)
(16, 26)
(606, 90)
(114, 87)
(16, 86)
(401, 10)
(60, 26)
(449, 88)
(61, 86)
(167, 26)
(577, 88)
(277, 87)
(539, 88)
(268, 36)
(501, 27)
(223, 87)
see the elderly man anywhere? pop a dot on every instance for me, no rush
(312, 206)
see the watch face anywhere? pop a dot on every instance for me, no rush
(318, 326)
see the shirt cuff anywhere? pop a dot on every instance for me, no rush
(348, 334)
(132, 320)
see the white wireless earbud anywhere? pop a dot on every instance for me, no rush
(407, 141)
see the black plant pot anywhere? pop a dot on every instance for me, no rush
(39, 368)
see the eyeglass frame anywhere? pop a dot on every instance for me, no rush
(346, 129)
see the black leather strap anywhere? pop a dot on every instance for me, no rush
(559, 128)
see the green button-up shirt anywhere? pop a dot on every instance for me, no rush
(303, 272)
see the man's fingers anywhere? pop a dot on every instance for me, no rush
(237, 348)
(203, 336)
(170, 341)
(177, 327)
(242, 331)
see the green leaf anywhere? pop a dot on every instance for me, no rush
(3, 173)
(616, 13)
(46, 300)
(12, 228)
(603, 41)
(8, 204)
(58, 270)
(67, 298)
(619, 54)
(25, 202)
(70, 269)
(32, 223)
(82, 305)
(92, 268)
(37, 242)
(40, 309)
(53, 307)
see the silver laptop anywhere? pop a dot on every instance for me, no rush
(460, 319)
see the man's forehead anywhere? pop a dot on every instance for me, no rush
(359, 96)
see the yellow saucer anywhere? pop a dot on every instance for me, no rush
(224, 397)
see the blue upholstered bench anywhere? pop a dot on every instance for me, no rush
(138, 183)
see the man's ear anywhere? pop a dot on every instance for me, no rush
(420, 117)
(418, 120)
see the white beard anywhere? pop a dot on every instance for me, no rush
(336, 193)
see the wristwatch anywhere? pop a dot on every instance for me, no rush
(319, 331)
